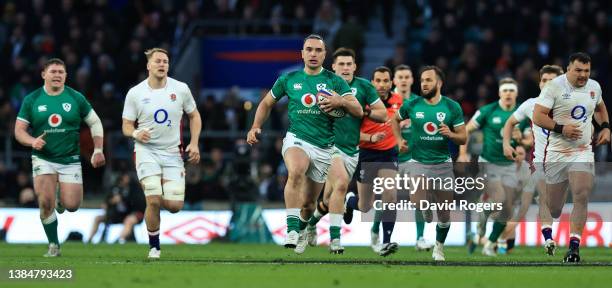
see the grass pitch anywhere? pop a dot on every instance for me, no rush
(251, 265)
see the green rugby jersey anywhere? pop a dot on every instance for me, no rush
(406, 134)
(306, 120)
(491, 119)
(347, 128)
(427, 144)
(60, 117)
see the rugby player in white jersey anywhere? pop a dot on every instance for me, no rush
(157, 105)
(525, 110)
(572, 99)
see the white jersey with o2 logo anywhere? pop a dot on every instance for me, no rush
(160, 111)
(525, 110)
(570, 105)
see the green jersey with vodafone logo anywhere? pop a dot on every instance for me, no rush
(60, 117)
(346, 129)
(491, 119)
(426, 143)
(406, 131)
(306, 120)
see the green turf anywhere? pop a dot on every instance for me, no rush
(241, 265)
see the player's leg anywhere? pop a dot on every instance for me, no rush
(71, 186)
(581, 185)
(297, 163)
(389, 196)
(444, 223)
(340, 180)
(309, 193)
(44, 186)
(496, 193)
(545, 218)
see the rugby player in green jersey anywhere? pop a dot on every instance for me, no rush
(309, 143)
(54, 113)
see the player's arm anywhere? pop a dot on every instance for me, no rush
(401, 143)
(377, 112)
(261, 115)
(195, 127)
(463, 149)
(97, 134)
(601, 117)
(352, 106)
(459, 136)
(541, 118)
(507, 137)
(24, 138)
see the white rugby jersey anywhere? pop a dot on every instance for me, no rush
(570, 105)
(159, 110)
(525, 110)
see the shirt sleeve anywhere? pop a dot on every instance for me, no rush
(189, 104)
(129, 107)
(521, 113)
(457, 119)
(404, 111)
(370, 94)
(341, 87)
(25, 112)
(278, 89)
(480, 117)
(599, 94)
(547, 96)
(84, 106)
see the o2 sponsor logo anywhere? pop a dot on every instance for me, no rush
(579, 113)
(161, 117)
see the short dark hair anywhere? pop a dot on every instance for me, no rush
(436, 69)
(580, 56)
(401, 67)
(383, 69)
(315, 36)
(507, 80)
(149, 53)
(343, 52)
(53, 61)
(551, 69)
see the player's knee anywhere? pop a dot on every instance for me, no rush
(174, 208)
(296, 177)
(555, 213)
(151, 185)
(45, 205)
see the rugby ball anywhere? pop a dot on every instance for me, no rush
(336, 113)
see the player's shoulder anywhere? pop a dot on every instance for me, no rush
(359, 81)
(291, 74)
(593, 84)
(452, 104)
(73, 92)
(176, 83)
(529, 103)
(412, 101)
(138, 88)
(32, 96)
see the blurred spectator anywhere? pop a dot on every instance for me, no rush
(122, 205)
(194, 194)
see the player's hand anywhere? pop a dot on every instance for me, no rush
(603, 137)
(403, 146)
(142, 135)
(509, 152)
(465, 158)
(377, 137)
(193, 151)
(517, 135)
(252, 136)
(404, 123)
(572, 132)
(329, 103)
(445, 130)
(39, 142)
(97, 159)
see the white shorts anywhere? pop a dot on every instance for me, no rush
(149, 163)
(67, 173)
(434, 173)
(558, 165)
(320, 158)
(506, 174)
(350, 162)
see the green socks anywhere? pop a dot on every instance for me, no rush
(50, 226)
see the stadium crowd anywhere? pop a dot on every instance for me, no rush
(475, 42)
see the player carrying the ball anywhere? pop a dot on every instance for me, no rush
(309, 143)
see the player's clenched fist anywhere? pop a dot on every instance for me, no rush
(142, 135)
(572, 131)
(444, 130)
(97, 158)
(39, 142)
(252, 136)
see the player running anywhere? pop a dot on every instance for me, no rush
(346, 154)
(403, 80)
(500, 171)
(525, 111)
(309, 144)
(436, 119)
(571, 99)
(378, 149)
(157, 104)
(55, 112)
